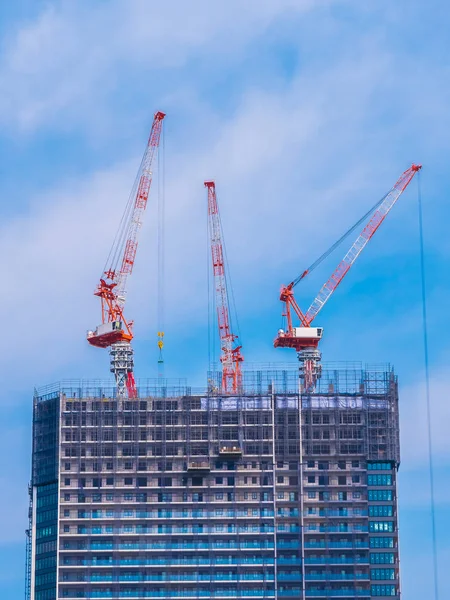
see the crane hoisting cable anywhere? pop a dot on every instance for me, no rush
(305, 339)
(115, 331)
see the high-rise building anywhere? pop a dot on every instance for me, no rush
(183, 494)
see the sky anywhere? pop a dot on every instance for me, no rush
(305, 112)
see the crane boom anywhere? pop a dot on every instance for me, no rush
(115, 331)
(359, 244)
(140, 204)
(305, 339)
(231, 356)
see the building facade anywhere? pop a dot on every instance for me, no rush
(179, 494)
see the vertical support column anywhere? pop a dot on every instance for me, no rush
(122, 363)
(302, 503)
(274, 501)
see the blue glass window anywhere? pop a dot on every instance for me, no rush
(379, 479)
(383, 590)
(381, 542)
(382, 558)
(381, 526)
(382, 574)
(380, 511)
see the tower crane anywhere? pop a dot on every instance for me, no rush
(231, 357)
(115, 331)
(304, 338)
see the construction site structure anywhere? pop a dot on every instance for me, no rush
(304, 338)
(115, 331)
(270, 493)
(231, 356)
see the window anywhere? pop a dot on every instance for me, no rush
(342, 480)
(323, 466)
(355, 464)
(66, 497)
(142, 481)
(341, 464)
(311, 495)
(356, 495)
(311, 464)
(382, 574)
(219, 480)
(66, 481)
(110, 481)
(381, 542)
(66, 529)
(379, 467)
(219, 496)
(380, 511)
(67, 513)
(128, 481)
(381, 526)
(280, 495)
(356, 478)
(379, 479)
(383, 590)
(342, 496)
(323, 479)
(280, 479)
(67, 466)
(380, 495)
(382, 558)
(311, 479)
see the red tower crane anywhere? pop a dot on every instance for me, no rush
(305, 339)
(115, 331)
(231, 356)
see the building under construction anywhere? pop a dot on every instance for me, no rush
(184, 493)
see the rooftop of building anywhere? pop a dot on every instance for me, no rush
(337, 379)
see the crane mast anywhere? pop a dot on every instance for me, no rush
(115, 331)
(231, 356)
(305, 339)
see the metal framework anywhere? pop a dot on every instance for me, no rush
(231, 357)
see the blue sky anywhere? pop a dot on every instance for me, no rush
(305, 112)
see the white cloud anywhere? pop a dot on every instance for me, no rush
(64, 65)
